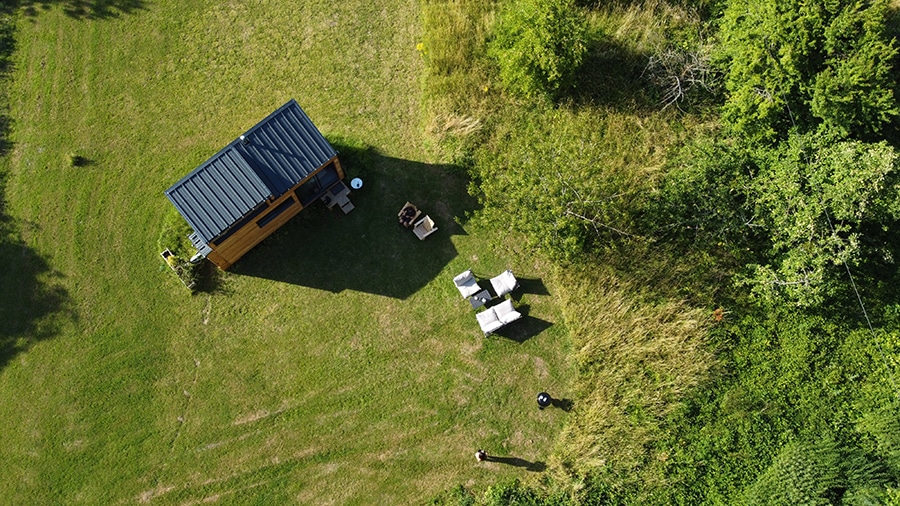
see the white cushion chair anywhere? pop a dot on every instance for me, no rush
(495, 317)
(504, 283)
(466, 284)
(424, 228)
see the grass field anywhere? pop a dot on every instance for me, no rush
(336, 364)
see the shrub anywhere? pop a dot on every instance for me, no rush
(456, 496)
(174, 234)
(539, 45)
(174, 237)
(820, 472)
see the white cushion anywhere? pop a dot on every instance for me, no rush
(510, 317)
(488, 320)
(495, 317)
(504, 283)
(466, 284)
(506, 312)
(504, 307)
(461, 279)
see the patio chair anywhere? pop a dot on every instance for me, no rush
(424, 228)
(495, 317)
(504, 283)
(466, 284)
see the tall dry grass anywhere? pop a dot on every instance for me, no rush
(636, 361)
(458, 77)
(643, 27)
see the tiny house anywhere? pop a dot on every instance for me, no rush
(253, 186)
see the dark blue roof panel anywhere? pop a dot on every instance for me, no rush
(276, 154)
(285, 148)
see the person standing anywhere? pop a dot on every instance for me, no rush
(481, 456)
(544, 400)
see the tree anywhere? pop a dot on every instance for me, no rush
(813, 198)
(800, 207)
(791, 63)
(539, 45)
(853, 92)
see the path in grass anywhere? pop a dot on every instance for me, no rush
(337, 364)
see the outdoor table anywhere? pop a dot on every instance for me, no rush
(479, 299)
(407, 217)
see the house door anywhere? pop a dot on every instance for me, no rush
(317, 185)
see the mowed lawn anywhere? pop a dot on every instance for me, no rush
(336, 364)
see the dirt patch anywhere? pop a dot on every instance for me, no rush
(540, 368)
(149, 495)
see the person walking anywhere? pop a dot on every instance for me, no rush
(481, 456)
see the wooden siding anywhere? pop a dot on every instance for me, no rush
(337, 166)
(237, 244)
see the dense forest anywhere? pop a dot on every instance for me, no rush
(717, 185)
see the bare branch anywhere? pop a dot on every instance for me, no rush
(596, 223)
(677, 71)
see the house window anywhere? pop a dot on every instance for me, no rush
(282, 207)
(239, 224)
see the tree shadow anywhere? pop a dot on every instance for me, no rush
(30, 295)
(611, 75)
(80, 9)
(367, 250)
(615, 76)
(31, 298)
(524, 328)
(876, 277)
(534, 467)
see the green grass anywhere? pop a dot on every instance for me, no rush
(336, 363)
(364, 381)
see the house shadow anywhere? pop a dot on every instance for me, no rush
(535, 467)
(524, 328)
(367, 250)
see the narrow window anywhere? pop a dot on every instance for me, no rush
(282, 207)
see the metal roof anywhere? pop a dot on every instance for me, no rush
(273, 156)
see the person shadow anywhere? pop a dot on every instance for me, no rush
(534, 467)
(563, 404)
